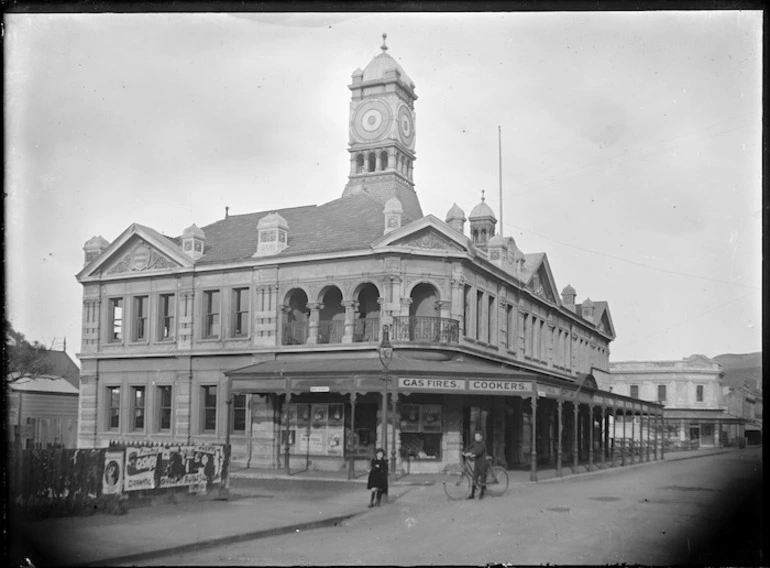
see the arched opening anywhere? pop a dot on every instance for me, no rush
(424, 323)
(360, 164)
(372, 162)
(483, 235)
(475, 236)
(297, 315)
(367, 323)
(331, 321)
(383, 160)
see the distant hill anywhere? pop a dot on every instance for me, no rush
(741, 367)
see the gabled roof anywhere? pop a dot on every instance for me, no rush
(428, 232)
(602, 315)
(61, 365)
(44, 384)
(537, 263)
(165, 245)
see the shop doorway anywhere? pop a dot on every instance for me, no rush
(478, 419)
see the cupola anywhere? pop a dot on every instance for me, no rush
(455, 218)
(568, 297)
(194, 242)
(483, 223)
(94, 247)
(272, 234)
(587, 310)
(392, 212)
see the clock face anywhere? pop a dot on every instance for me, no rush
(406, 126)
(371, 121)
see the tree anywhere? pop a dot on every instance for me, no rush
(22, 358)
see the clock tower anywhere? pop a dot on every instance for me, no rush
(382, 133)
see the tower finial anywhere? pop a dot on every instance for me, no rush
(383, 46)
(482, 195)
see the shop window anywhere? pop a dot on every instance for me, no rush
(421, 430)
(116, 319)
(164, 408)
(166, 323)
(209, 407)
(239, 413)
(699, 393)
(137, 408)
(113, 416)
(316, 429)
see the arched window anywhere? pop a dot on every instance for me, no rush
(360, 164)
(331, 319)
(384, 160)
(297, 313)
(475, 236)
(372, 162)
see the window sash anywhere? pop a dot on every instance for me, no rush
(167, 310)
(699, 393)
(239, 413)
(212, 313)
(164, 408)
(113, 418)
(240, 312)
(116, 319)
(209, 409)
(138, 408)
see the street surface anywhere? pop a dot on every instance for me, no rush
(704, 510)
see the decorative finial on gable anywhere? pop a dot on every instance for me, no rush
(384, 47)
(227, 211)
(482, 195)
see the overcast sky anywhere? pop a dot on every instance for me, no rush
(631, 146)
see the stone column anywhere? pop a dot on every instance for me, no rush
(312, 327)
(623, 454)
(662, 437)
(456, 308)
(614, 424)
(350, 444)
(377, 162)
(603, 434)
(633, 438)
(350, 313)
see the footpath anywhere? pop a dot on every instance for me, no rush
(262, 503)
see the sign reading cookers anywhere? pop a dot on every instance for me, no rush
(488, 386)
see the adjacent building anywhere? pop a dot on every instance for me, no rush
(691, 392)
(271, 330)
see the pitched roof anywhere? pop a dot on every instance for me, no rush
(45, 384)
(531, 263)
(347, 223)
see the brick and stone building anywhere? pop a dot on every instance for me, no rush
(263, 329)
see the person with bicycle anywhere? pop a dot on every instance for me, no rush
(478, 453)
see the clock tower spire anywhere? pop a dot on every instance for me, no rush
(382, 133)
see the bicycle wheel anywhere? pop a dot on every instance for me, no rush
(457, 485)
(497, 480)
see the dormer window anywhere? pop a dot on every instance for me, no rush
(273, 234)
(193, 241)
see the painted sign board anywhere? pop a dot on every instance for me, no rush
(431, 384)
(492, 385)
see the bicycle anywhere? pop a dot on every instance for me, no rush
(457, 484)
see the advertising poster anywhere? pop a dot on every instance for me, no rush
(335, 438)
(140, 468)
(319, 416)
(431, 417)
(410, 418)
(311, 443)
(302, 414)
(112, 480)
(190, 465)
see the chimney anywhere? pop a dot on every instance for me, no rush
(568, 297)
(587, 310)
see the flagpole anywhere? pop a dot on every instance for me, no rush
(500, 167)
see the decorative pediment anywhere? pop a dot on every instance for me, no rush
(428, 239)
(137, 250)
(138, 256)
(426, 233)
(541, 283)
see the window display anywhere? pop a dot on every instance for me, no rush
(421, 428)
(316, 429)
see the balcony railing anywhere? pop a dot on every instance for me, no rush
(295, 333)
(366, 330)
(425, 329)
(330, 331)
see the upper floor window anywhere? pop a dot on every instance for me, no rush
(634, 391)
(164, 407)
(140, 318)
(116, 319)
(167, 311)
(699, 393)
(240, 312)
(661, 393)
(211, 299)
(137, 408)
(113, 401)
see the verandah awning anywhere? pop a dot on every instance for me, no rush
(700, 414)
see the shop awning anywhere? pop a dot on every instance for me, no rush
(705, 414)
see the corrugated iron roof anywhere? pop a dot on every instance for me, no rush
(44, 384)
